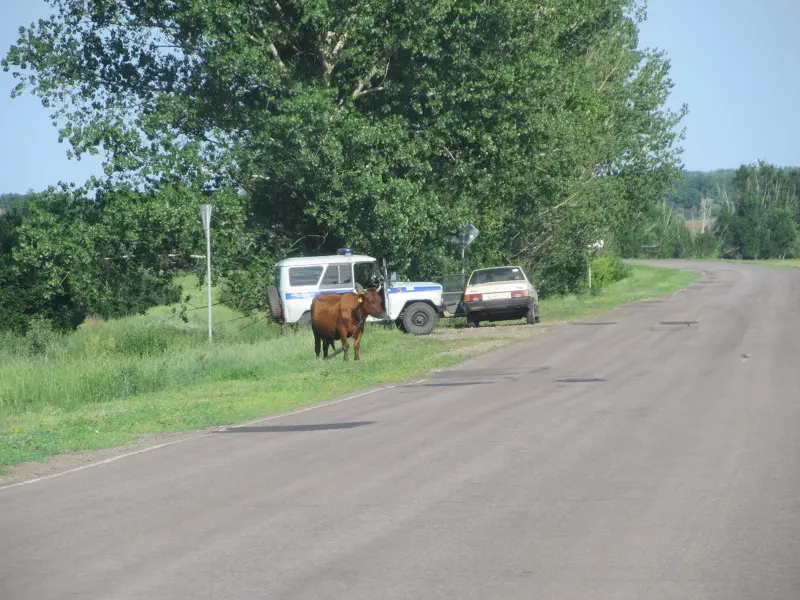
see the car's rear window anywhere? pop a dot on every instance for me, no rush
(497, 274)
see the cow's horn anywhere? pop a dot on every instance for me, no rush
(379, 288)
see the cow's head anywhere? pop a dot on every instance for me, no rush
(372, 301)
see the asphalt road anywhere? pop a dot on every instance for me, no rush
(653, 453)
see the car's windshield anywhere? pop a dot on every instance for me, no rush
(496, 274)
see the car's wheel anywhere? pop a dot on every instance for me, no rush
(305, 319)
(472, 321)
(531, 316)
(420, 319)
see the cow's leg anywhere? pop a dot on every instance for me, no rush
(325, 345)
(316, 345)
(357, 342)
(343, 336)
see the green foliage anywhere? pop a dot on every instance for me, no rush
(39, 337)
(661, 232)
(608, 268)
(9, 200)
(319, 124)
(756, 213)
(762, 215)
(67, 256)
(694, 186)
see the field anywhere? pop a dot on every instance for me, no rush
(109, 383)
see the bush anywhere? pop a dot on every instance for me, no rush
(608, 268)
(706, 245)
(40, 336)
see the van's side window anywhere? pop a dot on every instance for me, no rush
(336, 276)
(331, 276)
(304, 275)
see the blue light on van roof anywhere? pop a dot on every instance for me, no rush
(344, 251)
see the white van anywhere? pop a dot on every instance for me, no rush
(413, 306)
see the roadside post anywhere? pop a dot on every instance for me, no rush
(464, 239)
(205, 217)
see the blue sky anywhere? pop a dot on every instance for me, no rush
(734, 62)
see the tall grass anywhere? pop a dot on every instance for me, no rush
(110, 382)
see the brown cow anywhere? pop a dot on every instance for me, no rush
(343, 315)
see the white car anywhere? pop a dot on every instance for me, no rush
(500, 294)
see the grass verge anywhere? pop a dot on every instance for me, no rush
(792, 263)
(111, 382)
(645, 282)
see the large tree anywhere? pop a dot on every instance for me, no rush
(384, 125)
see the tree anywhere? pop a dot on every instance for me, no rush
(760, 219)
(380, 125)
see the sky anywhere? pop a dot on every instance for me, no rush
(734, 62)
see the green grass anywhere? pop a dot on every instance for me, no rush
(645, 282)
(111, 382)
(792, 263)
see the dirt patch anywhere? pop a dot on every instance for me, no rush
(485, 346)
(489, 331)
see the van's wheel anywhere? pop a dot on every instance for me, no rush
(420, 319)
(274, 302)
(305, 319)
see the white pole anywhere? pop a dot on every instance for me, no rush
(205, 215)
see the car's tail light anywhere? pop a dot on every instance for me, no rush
(520, 294)
(473, 297)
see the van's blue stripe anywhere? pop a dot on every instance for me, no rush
(392, 290)
(417, 288)
(304, 295)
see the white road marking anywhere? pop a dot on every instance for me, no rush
(97, 464)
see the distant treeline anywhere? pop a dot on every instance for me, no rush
(7, 200)
(746, 213)
(694, 186)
